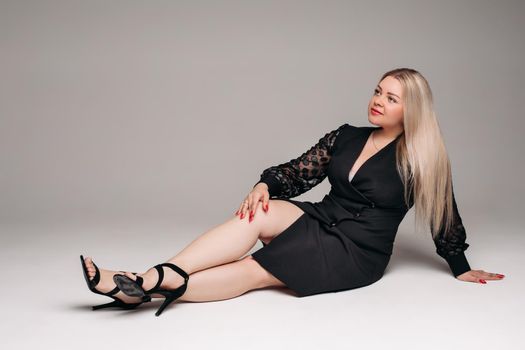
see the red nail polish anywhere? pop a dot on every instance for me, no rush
(483, 281)
(500, 275)
(251, 218)
(242, 215)
(266, 207)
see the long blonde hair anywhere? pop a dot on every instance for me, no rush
(422, 159)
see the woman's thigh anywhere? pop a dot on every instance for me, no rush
(281, 214)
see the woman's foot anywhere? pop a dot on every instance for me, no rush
(172, 280)
(106, 283)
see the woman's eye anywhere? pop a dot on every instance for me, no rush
(390, 98)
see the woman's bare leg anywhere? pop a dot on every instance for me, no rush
(225, 243)
(221, 244)
(232, 239)
(228, 281)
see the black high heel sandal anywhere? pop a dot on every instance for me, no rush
(134, 288)
(116, 302)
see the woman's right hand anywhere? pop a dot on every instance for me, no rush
(258, 194)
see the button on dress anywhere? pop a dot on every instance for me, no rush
(344, 241)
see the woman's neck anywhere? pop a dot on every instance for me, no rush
(387, 134)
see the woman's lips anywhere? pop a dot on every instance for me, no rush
(375, 112)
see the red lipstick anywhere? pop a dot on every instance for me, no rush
(375, 111)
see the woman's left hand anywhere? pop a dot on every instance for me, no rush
(479, 276)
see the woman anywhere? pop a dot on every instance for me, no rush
(342, 242)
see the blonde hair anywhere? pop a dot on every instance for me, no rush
(422, 159)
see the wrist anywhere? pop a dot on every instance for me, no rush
(458, 264)
(273, 186)
(261, 185)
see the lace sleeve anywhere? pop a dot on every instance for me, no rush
(451, 246)
(299, 175)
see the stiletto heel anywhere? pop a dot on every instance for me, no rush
(134, 288)
(166, 302)
(116, 302)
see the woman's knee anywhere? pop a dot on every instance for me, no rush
(280, 215)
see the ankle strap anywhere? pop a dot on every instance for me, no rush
(160, 271)
(175, 268)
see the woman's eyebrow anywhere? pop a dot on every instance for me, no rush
(389, 92)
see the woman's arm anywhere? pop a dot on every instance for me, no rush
(451, 246)
(299, 175)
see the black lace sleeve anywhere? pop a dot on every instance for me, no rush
(290, 179)
(451, 246)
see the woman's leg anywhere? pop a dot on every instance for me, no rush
(216, 283)
(225, 243)
(228, 281)
(232, 239)
(220, 246)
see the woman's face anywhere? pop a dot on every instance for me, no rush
(388, 101)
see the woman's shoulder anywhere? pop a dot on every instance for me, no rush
(355, 127)
(346, 133)
(351, 129)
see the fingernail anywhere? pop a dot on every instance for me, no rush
(251, 218)
(500, 275)
(482, 281)
(266, 207)
(242, 215)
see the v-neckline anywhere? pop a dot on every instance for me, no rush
(369, 158)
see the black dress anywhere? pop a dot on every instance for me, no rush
(344, 241)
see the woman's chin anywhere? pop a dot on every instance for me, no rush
(374, 119)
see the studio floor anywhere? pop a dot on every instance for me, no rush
(417, 303)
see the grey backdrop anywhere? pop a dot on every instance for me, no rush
(173, 108)
(134, 113)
